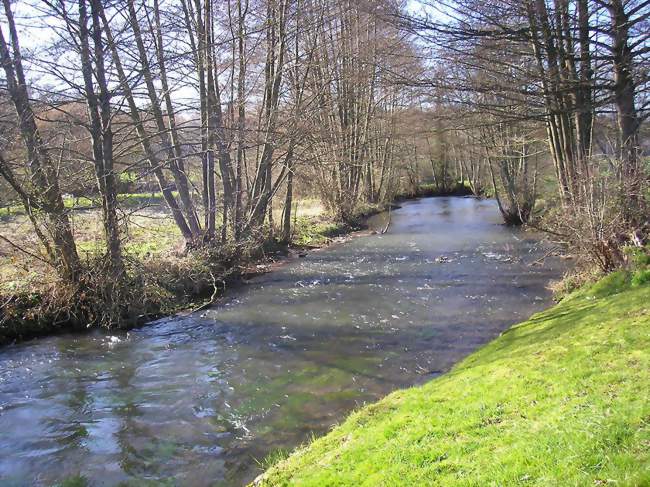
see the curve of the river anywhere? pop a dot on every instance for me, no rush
(204, 399)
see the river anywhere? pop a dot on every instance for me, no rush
(204, 399)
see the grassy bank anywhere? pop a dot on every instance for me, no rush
(561, 399)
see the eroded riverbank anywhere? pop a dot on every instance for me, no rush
(195, 399)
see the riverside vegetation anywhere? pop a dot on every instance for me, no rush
(176, 280)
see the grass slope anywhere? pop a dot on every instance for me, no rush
(561, 399)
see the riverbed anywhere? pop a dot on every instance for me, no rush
(208, 398)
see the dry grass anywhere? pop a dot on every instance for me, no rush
(149, 233)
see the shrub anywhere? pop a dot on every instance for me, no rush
(641, 277)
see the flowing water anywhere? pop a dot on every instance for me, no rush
(203, 399)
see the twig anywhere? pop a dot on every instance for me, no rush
(544, 257)
(20, 249)
(215, 291)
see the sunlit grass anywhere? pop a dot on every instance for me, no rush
(561, 399)
(126, 200)
(311, 232)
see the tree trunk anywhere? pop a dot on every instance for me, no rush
(99, 111)
(43, 172)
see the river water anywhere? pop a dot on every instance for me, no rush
(204, 399)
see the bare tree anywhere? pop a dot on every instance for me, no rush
(40, 194)
(101, 131)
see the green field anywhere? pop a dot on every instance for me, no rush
(561, 399)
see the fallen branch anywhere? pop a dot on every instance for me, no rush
(388, 222)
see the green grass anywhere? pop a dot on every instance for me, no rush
(126, 200)
(561, 399)
(313, 232)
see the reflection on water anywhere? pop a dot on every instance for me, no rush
(200, 399)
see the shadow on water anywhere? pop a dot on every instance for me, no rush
(197, 399)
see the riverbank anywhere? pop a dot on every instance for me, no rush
(560, 399)
(163, 284)
(203, 398)
(163, 281)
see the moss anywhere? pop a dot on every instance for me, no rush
(561, 399)
(12, 210)
(74, 481)
(314, 232)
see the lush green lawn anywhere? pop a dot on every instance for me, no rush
(562, 399)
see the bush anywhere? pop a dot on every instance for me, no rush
(149, 287)
(638, 257)
(602, 222)
(641, 277)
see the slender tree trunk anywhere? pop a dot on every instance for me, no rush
(44, 174)
(274, 67)
(241, 113)
(179, 176)
(178, 164)
(99, 110)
